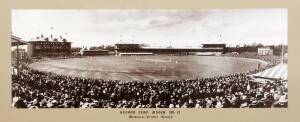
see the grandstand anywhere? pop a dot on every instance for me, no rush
(86, 52)
(48, 47)
(136, 49)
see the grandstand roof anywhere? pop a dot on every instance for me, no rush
(171, 48)
(17, 41)
(277, 72)
(97, 50)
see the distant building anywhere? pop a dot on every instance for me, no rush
(86, 52)
(267, 50)
(44, 47)
(17, 53)
(75, 51)
(214, 48)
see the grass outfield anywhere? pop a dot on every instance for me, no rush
(147, 67)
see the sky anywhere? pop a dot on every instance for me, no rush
(154, 27)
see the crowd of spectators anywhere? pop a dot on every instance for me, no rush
(36, 89)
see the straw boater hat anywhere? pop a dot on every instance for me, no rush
(219, 105)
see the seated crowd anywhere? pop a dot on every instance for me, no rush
(35, 89)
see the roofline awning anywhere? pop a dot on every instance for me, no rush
(17, 41)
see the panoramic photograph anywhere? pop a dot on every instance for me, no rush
(149, 58)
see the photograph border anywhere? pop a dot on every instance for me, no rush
(10, 114)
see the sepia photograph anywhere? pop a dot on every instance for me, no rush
(149, 58)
